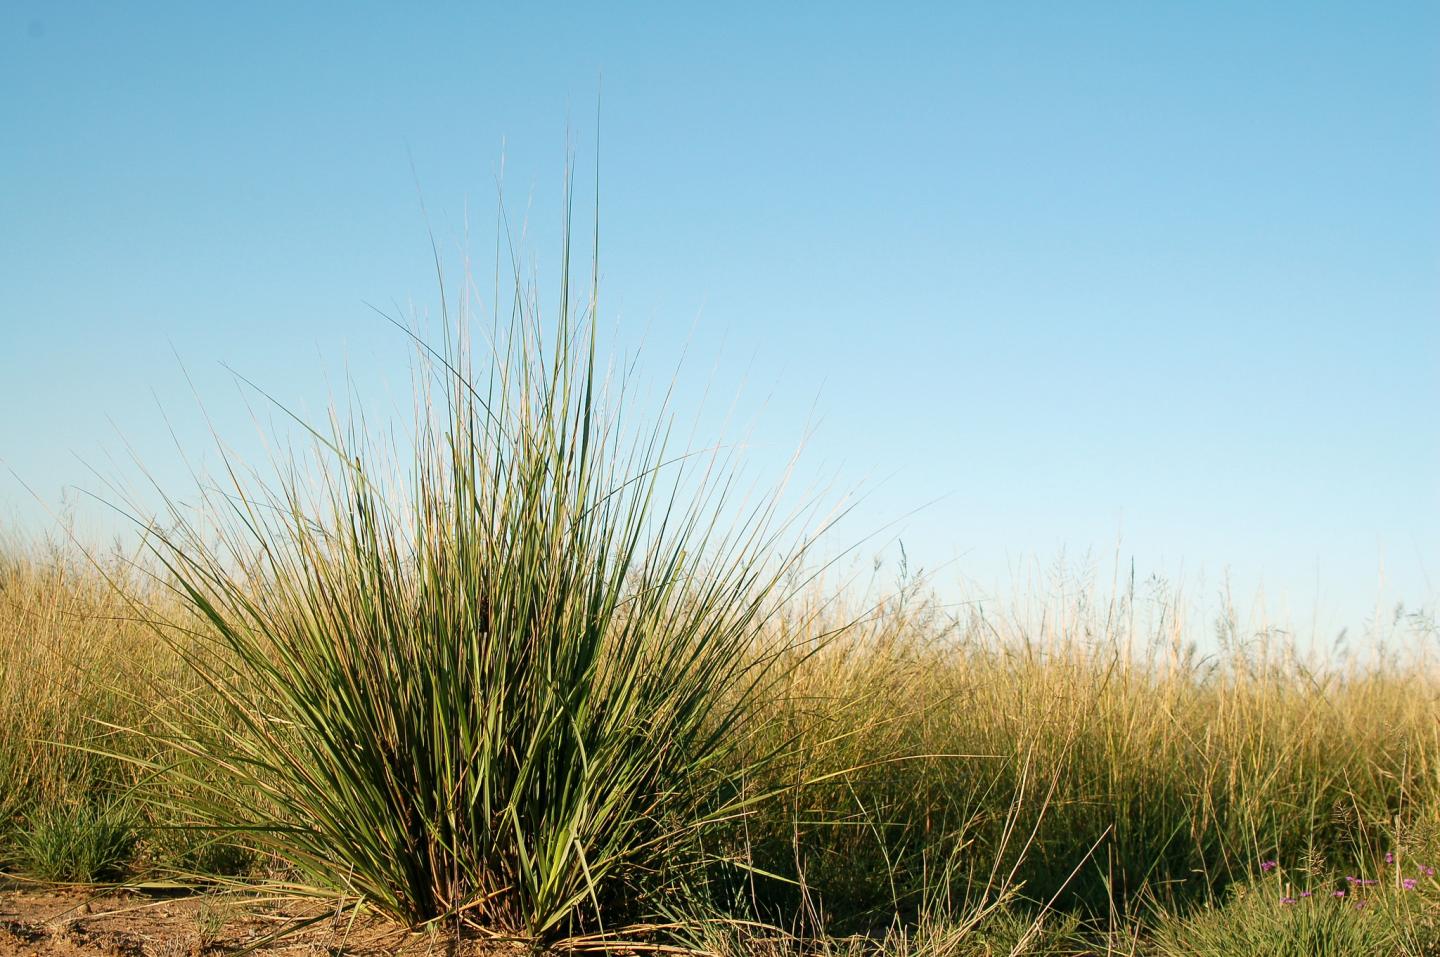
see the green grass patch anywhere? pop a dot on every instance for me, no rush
(79, 842)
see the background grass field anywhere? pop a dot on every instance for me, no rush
(934, 779)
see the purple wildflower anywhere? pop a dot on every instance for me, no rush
(1287, 900)
(1389, 857)
(1338, 894)
(1268, 866)
(1305, 893)
(1408, 883)
(1427, 870)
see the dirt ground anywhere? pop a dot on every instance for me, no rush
(66, 923)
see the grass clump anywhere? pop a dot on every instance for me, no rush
(79, 842)
(1393, 909)
(498, 683)
(1334, 922)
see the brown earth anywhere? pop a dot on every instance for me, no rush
(41, 922)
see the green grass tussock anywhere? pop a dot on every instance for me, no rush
(80, 842)
(502, 688)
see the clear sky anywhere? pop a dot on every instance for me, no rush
(1165, 275)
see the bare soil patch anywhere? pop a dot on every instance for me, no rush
(37, 922)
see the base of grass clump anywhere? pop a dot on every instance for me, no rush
(196, 854)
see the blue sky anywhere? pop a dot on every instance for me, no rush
(1157, 274)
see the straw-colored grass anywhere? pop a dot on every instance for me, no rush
(1126, 782)
(1150, 777)
(83, 681)
(71, 658)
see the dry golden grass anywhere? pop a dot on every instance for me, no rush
(1057, 754)
(1107, 765)
(71, 657)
